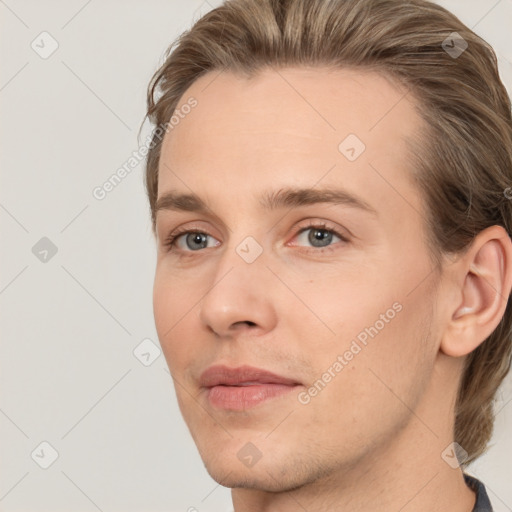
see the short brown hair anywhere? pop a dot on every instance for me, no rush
(462, 165)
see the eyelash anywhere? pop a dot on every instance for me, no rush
(169, 242)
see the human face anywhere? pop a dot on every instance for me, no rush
(267, 288)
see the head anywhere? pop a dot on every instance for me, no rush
(394, 284)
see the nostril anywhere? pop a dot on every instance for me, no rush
(248, 322)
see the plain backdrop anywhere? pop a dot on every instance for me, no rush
(79, 393)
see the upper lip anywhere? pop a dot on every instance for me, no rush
(224, 375)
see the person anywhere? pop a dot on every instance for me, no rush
(329, 189)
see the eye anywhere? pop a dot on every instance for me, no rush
(193, 239)
(319, 235)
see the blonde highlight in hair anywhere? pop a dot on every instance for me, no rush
(462, 164)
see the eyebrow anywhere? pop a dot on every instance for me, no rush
(270, 200)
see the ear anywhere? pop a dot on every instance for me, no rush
(484, 281)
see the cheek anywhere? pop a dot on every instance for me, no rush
(164, 307)
(172, 313)
(349, 306)
(378, 325)
(173, 298)
(366, 397)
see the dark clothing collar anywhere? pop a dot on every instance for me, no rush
(482, 500)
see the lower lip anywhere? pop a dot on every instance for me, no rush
(239, 398)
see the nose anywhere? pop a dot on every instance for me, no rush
(238, 299)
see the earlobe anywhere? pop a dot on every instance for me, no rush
(483, 294)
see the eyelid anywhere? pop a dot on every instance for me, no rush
(197, 226)
(325, 225)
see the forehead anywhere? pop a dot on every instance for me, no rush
(291, 127)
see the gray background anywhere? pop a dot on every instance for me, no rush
(71, 323)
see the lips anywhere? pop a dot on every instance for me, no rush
(243, 375)
(243, 387)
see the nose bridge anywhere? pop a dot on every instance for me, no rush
(244, 250)
(240, 267)
(238, 291)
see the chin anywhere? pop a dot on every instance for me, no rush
(250, 478)
(276, 473)
(241, 479)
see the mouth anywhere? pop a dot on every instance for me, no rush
(244, 387)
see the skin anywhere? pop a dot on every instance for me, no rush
(372, 439)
